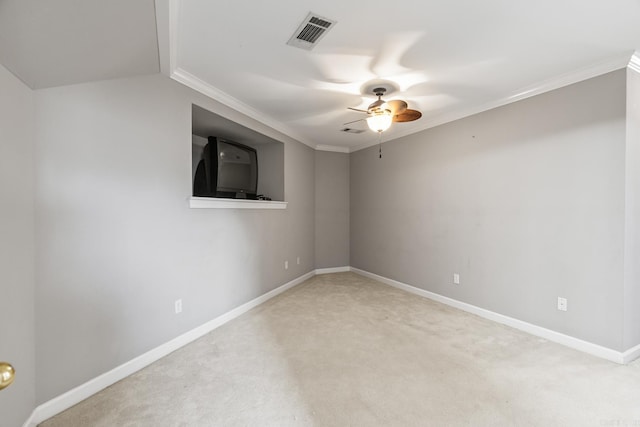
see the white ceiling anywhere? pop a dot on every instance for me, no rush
(59, 42)
(448, 58)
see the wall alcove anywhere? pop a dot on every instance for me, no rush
(270, 153)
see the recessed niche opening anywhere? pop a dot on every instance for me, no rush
(209, 128)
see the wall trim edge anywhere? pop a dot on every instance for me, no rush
(333, 148)
(634, 62)
(630, 355)
(66, 400)
(539, 331)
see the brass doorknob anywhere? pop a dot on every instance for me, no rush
(7, 375)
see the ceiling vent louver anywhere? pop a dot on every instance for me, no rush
(311, 31)
(351, 130)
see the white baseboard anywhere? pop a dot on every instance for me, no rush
(557, 337)
(630, 355)
(333, 270)
(31, 421)
(91, 387)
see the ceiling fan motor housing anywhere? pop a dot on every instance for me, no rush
(376, 105)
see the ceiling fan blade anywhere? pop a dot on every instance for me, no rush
(407, 116)
(359, 120)
(397, 106)
(358, 110)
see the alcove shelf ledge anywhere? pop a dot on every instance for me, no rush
(213, 203)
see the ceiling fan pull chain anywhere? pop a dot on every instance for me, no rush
(380, 144)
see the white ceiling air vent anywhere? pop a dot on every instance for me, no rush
(311, 31)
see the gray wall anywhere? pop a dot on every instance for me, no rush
(526, 202)
(116, 240)
(17, 345)
(332, 209)
(632, 214)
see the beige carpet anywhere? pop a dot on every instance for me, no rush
(343, 350)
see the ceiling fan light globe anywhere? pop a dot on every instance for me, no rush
(380, 122)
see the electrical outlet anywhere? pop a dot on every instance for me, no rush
(562, 304)
(178, 306)
(456, 279)
(286, 265)
(298, 260)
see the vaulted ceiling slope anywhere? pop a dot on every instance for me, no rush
(447, 59)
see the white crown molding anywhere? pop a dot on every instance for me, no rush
(548, 85)
(557, 337)
(334, 148)
(91, 387)
(634, 62)
(167, 18)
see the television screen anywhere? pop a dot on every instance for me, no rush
(227, 169)
(237, 168)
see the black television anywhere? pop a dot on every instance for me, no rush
(227, 169)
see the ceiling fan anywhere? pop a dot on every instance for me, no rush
(382, 113)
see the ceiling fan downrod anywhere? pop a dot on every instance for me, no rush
(379, 91)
